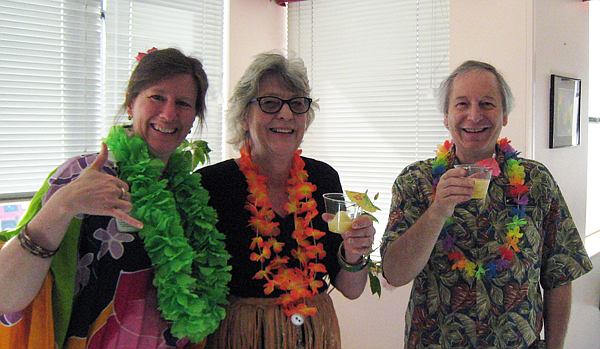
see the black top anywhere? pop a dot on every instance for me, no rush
(228, 194)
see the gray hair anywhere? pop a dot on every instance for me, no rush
(443, 93)
(292, 74)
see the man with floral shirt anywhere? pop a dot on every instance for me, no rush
(478, 264)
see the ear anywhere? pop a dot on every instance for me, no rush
(505, 120)
(446, 120)
(129, 106)
(246, 121)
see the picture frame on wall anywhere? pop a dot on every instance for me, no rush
(565, 110)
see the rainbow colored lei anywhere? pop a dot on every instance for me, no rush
(517, 189)
(297, 283)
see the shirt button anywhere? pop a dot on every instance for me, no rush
(297, 319)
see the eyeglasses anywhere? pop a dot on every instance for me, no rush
(272, 105)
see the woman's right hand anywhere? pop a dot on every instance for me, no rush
(93, 192)
(452, 189)
(97, 193)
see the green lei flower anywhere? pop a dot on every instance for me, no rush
(187, 252)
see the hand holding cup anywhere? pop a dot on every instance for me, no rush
(481, 175)
(343, 211)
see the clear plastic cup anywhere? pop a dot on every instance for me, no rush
(481, 175)
(343, 210)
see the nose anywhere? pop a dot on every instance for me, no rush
(169, 111)
(475, 114)
(285, 112)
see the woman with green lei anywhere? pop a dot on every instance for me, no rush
(119, 249)
(478, 265)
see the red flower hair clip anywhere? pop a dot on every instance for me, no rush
(282, 2)
(142, 54)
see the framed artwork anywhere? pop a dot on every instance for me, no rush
(565, 99)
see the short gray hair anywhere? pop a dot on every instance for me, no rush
(443, 93)
(290, 71)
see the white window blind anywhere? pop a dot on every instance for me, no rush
(64, 70)
(373, 66)
(49, 97)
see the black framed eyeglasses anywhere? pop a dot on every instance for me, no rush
(272, 104)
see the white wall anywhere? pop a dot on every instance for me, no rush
(255, 26)
(585, 314)
(499, 33)
(527, 40)
(561, 46)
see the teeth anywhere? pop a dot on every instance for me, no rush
(474, 130)
(282, 130)
(164, 130)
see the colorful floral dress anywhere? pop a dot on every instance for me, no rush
(114, 303)
(449, 308)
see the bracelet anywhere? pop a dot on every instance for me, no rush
(351, 267)
(32, 247)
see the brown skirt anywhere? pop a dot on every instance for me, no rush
(260, 323)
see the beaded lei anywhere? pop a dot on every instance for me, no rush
(517, 190)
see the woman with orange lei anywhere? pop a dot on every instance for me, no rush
(269, 202)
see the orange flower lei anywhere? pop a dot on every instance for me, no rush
(517, 189)
(297, 283)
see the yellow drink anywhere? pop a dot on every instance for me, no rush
(481, 187)
(340, 223)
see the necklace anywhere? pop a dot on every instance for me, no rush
(297, 283)
(516, 189)
(187, 252)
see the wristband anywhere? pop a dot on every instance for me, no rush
(32, 247)
(351, 267)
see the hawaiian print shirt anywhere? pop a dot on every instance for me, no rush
(448, 308)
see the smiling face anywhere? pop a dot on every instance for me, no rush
(475, 115)
(279, 134)
(163, 114)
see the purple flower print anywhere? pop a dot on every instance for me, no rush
(448, 243)
(11, 319)
(112, 240)
(82, 277)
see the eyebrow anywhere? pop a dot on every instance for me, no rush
(159, 90)
(484, 97)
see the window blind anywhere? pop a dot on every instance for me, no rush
(374, 67)
(64, 66)
(49, 100)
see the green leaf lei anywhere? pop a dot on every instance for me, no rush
(187, 252)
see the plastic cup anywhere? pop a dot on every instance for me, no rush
(343, 210)
(481, 175)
